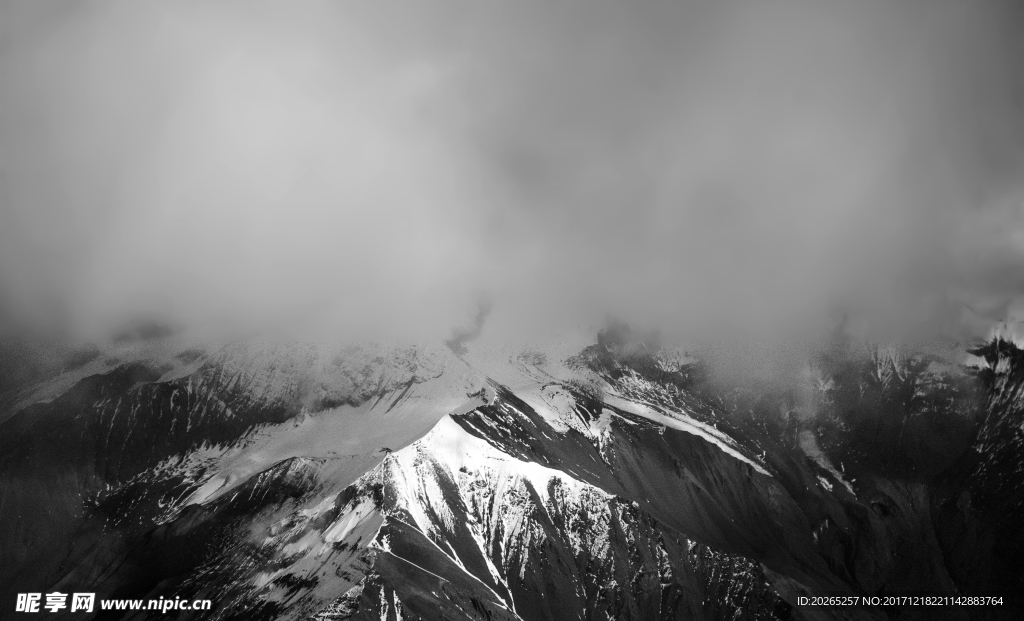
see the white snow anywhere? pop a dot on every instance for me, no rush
(352, 435)
(810, 447)
(349, 521)
(685, 423)
(451, 445)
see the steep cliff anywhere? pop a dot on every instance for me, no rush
(609, 481)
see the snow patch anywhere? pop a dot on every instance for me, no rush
(453, 446)
(809, 445)
(348, 522)
(685, 423)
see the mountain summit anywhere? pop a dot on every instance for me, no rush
(615, 479)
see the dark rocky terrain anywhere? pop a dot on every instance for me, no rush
(615, 480)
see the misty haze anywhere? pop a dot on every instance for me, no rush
(512, 310)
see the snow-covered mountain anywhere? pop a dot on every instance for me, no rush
(563, 480)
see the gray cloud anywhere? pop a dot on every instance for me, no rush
(328, 169)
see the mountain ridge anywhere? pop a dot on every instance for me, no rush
(512, 482)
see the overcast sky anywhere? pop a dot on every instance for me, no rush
(338, 169)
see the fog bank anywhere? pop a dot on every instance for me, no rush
(339, 170)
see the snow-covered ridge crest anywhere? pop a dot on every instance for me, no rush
(451, 445)
(476, 503)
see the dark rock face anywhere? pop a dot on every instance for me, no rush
(619, 485)
(978, 503)
(108, 430)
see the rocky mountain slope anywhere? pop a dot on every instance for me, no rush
(614, 480)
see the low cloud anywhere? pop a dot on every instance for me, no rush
(325, 170)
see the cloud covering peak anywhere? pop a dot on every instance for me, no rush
(333, 170)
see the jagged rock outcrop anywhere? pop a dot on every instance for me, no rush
(616, 482)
